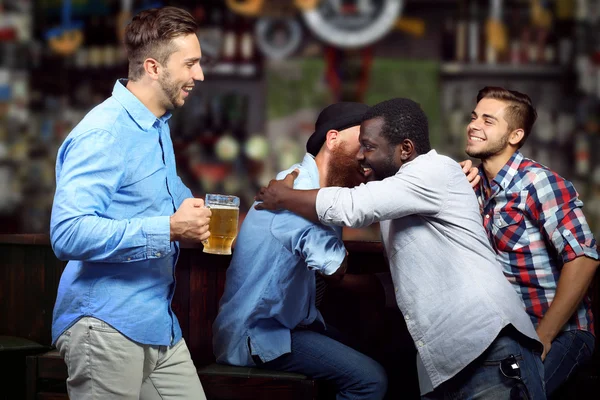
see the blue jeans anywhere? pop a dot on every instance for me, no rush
(493, 376)
(314, 354)
(569, 350)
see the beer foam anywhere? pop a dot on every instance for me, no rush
(222, 207)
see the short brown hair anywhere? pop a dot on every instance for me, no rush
(150, 33)
(519, 113)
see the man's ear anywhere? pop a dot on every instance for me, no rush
(516, 136)
(331, 138)
(405, 150)
(152, 68)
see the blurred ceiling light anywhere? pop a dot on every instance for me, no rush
(352, 24)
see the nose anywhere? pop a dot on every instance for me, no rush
(474, 125)
(360, 155)
(198, 74)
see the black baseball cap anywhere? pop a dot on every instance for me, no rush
(338, 116)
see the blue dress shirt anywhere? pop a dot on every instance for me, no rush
(116, 187)
(270, 286)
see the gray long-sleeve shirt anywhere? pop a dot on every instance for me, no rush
(447, 282)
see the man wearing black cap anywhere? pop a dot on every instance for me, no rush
(267, 316)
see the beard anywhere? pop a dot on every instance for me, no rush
(386, 170)
(344, 170)
(491, 150)
(171, 91)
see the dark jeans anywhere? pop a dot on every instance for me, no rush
(569, 350)
(317, 355)
(508, 369)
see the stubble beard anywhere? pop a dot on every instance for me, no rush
(492, 150)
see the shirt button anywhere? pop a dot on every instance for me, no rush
(406, 317)
(566, 232)
(499, 223)
(420, 343)
(487, 216)
(128, 258)
(396, 290)
(158, 254)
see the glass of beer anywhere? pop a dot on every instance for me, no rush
(223, 225)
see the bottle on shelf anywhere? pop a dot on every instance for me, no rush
(495, 44)
(247, 54)
(564, 28)
(229, 52)
(461, 33)
(516, 44)
(528, 50)
(474, 33)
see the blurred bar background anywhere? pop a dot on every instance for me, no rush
(272, 65)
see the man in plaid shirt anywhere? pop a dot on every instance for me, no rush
(535, 223)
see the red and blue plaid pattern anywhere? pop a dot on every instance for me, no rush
(534, 221)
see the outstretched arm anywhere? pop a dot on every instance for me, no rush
(281, 195)
(420, 189)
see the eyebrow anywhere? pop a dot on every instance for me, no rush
(485, 116)
(192, 59)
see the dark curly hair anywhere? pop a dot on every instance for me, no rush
(403, 119)
(149, 35)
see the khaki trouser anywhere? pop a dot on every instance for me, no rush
(104, 364)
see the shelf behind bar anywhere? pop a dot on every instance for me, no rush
(459, 70)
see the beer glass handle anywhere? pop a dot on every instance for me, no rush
(205, 241)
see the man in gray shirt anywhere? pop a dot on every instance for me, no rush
(472, 334)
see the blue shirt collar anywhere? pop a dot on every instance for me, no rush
(310, 165)
(136, 109)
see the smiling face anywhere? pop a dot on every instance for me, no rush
(182, 69)
(344, 168)
(488, 132)
(377, 156)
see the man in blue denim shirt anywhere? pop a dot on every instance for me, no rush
(267, 315)
(118, 214)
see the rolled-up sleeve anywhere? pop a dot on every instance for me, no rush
(321, 247)
(554, 202)
(90, 169)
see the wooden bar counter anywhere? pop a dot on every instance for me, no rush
(30, 273)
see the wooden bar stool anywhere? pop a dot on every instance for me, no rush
(225, 382)
(46, 377)
(13, 352)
